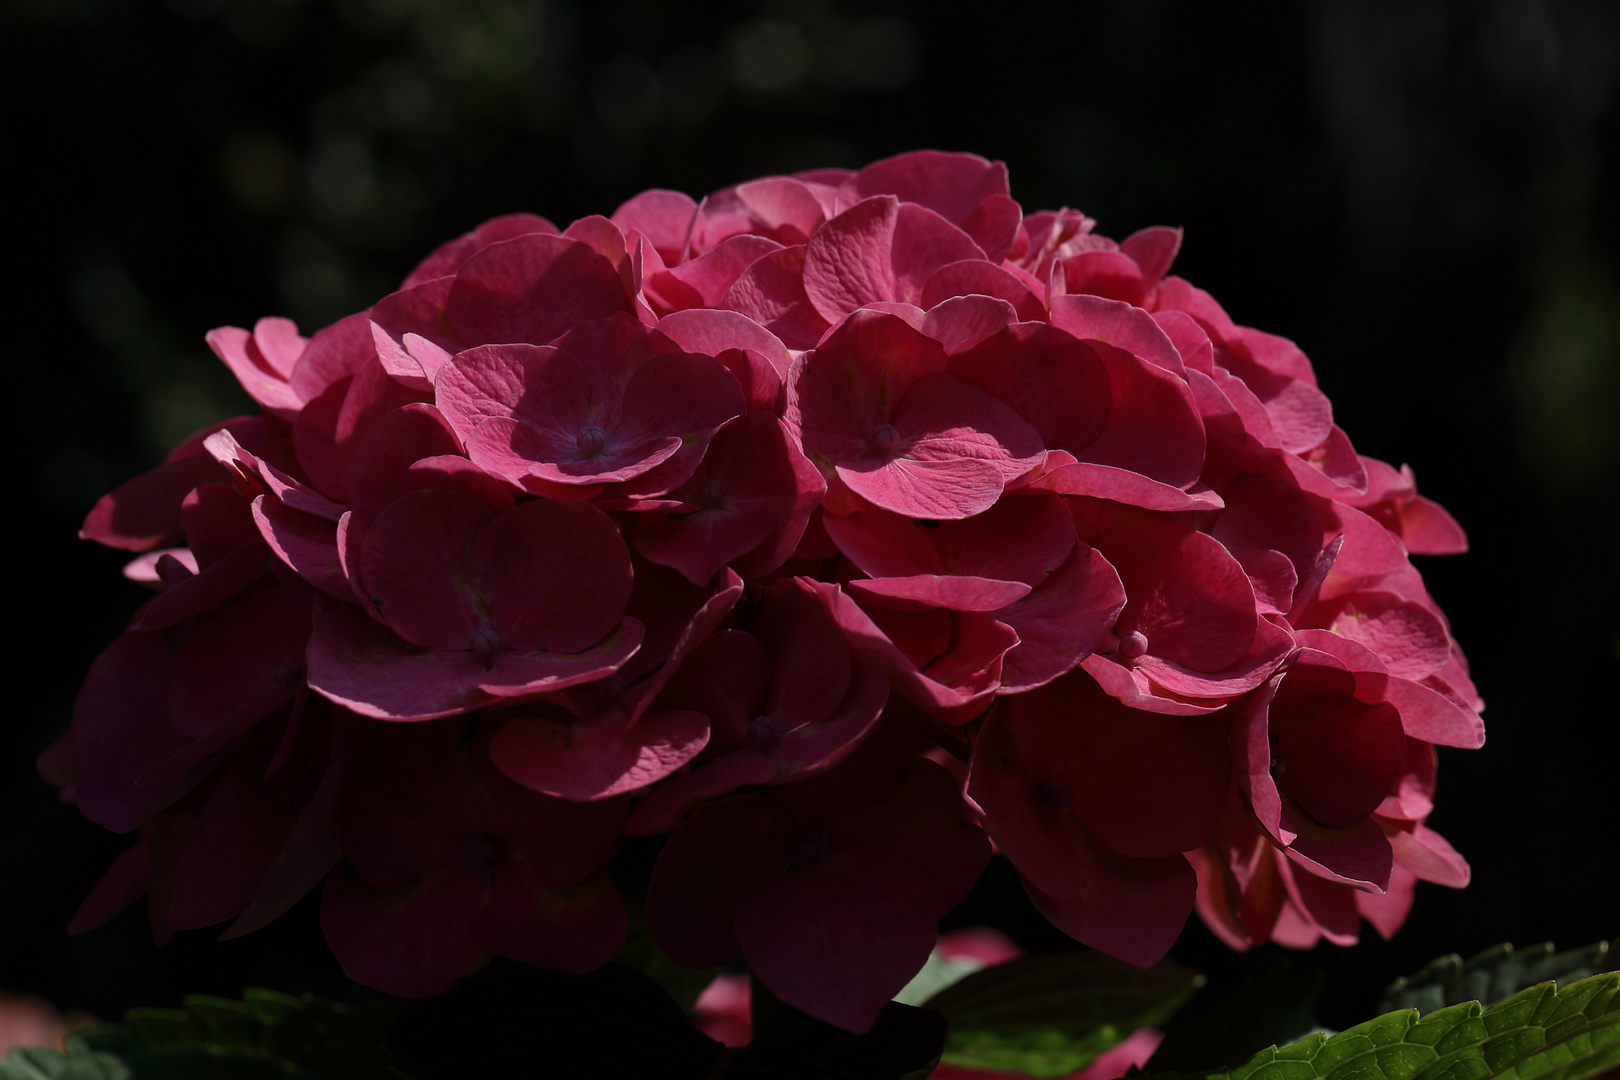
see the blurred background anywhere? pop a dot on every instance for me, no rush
(1421, 193)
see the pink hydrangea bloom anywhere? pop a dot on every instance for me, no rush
(838, 523)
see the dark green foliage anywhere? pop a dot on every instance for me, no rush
(1214, 1031)
(1491, 975)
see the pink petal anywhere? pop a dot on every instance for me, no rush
(242, 664)
(312, 848)
(1356, 855)
(599, 756)
(1062, 621)
(414, 567)
(531, 289)
(306, 543)
(785, 206)
(1408, 637)
(573, 930)
(1056, 383)
(956, 592)
(252, 369)
(712, 332)
(1428, 856)
(406, 435)
(1429, 715)
(551, 574)
(1125, 326)
(771, 293)
(1129, 908)
(334, 353)
(1183, 590)
(1122, 486)
(122, 884)
(357, 662)
(910, 858)
(144, 513)
(663, 217)
(975, 276)
(704, 282)
(413, 941)
(1153, 249)
(206, 590)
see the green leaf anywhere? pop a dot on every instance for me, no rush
(1492, 975)
(1047, 1016)
(684, 984)
(266, 1034)
(938, 972)
(41, 1063)
(1542, 1033)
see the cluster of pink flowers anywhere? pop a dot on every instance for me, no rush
(840, 524)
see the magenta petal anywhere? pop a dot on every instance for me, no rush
(684, 395)
(213, 586)
(1131, 909)
(531, 289)
(413, 941)
(397, 439)
(409, 335)
(237, 835)
(700, 543)
(550, 575)
(333, 353)
(784, 205)
(246, 660)
(1123, 486)
(119, 887)
(414, 565)
(1062, 621)
(143, 513)
(838, 936)
(573, 930)
(1154, 427)
(357, 662)
(1407, 636)
(1183, 590)
(1130, 686)
(663, 217)
(514, 672)
(934, 591)
(517, 452)
(1153, 249)
(311, 850)
(121, 729)
(598, 756)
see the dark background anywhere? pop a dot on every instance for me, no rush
(1421, 193)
